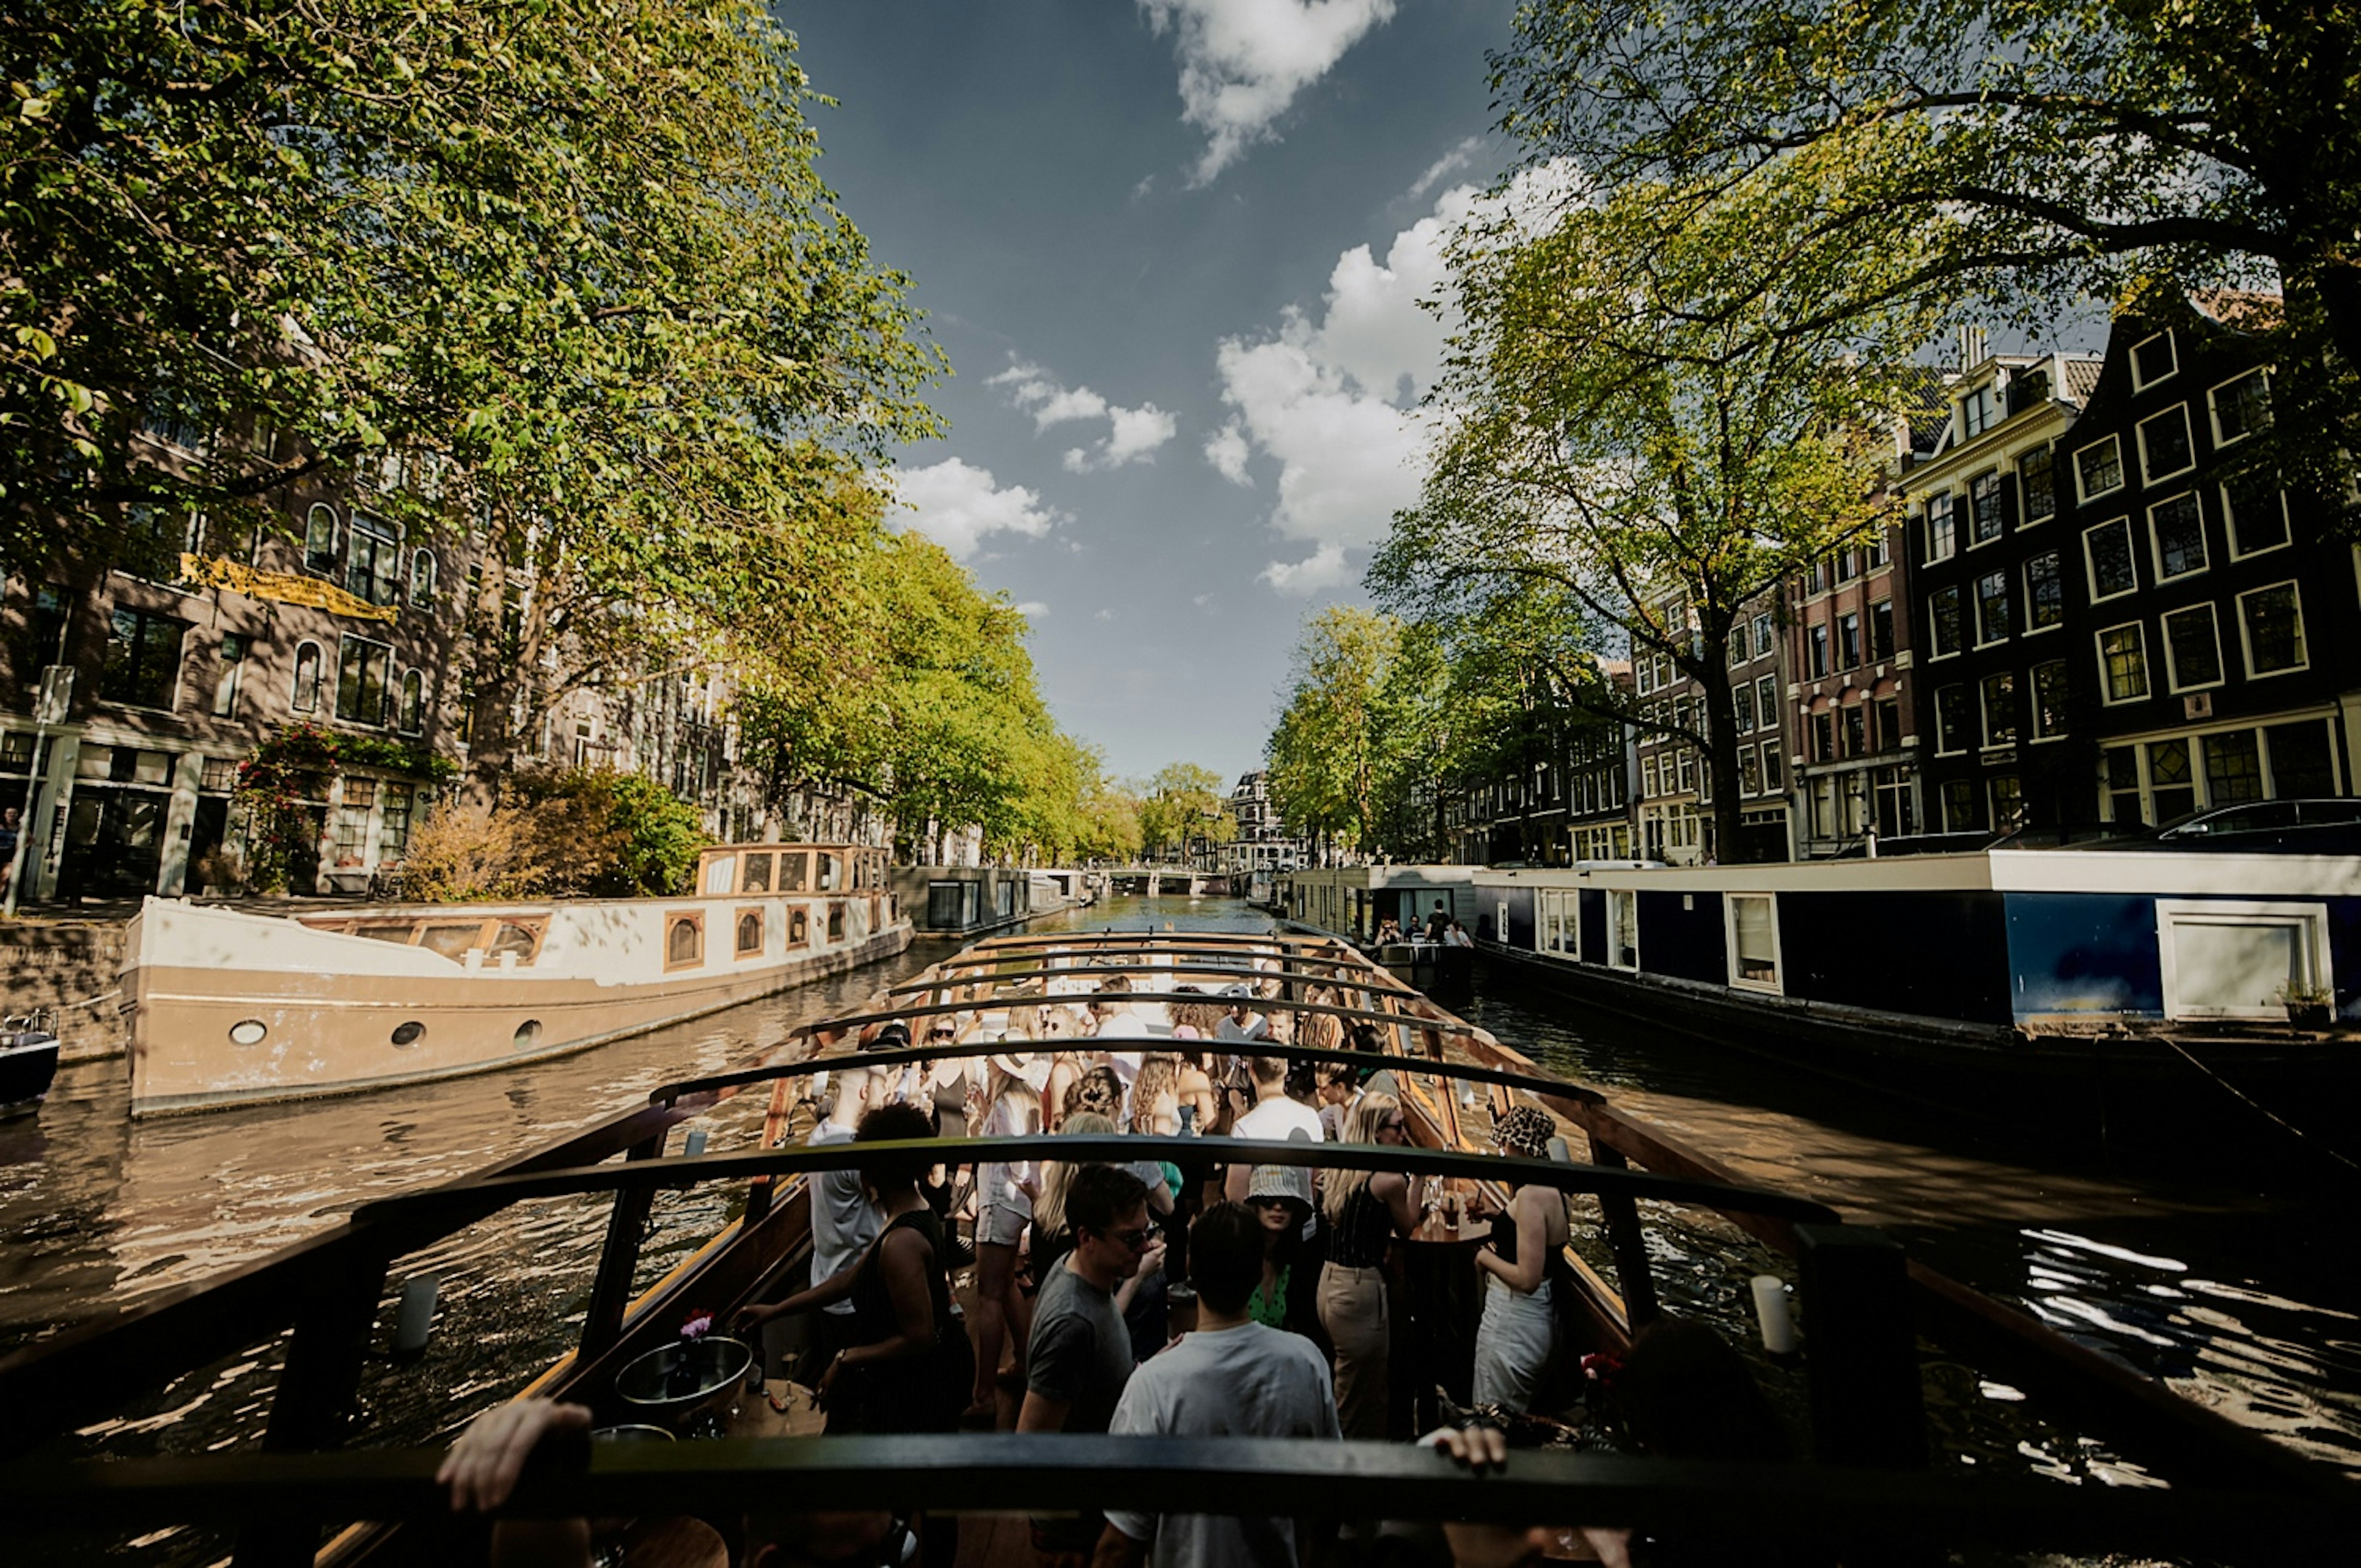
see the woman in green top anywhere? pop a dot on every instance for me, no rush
(1288, 1296)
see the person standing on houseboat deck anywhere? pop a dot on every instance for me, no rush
(1232, 1377)
(1365, 1209)
(843, 1219)
(1438, 922)
(906, 1367)
(1514, 1339)
(1081, 1353)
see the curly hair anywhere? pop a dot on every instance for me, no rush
(1525, 1129)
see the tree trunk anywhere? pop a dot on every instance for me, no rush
(491, 746)
(1730, 847)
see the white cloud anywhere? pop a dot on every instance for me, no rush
(1323, 568)
(1032, 610)
(1334, 398)
(1243, 61)
(1104, 615)
(1450, 163)
(1133, 434)
(1226, 449)
(959, 504)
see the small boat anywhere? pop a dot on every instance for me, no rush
(1865, 1309)
(230, 1008)
(28, 1062)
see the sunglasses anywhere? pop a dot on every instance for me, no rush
(940, 1035)
(1136, 1240)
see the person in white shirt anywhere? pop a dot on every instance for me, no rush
(1232, 1377)
(1004, 1192)
(1457, 936)
(843, 1220)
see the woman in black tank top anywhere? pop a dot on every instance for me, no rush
(1364, 1210)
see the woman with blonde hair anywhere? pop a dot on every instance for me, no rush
(1364, 1210)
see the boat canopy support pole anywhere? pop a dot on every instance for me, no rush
(1628, 1242)
(619, 1259)
(334, 1318)
(1861, 1348)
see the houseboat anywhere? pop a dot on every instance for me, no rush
(230, 1008)
(1865, 1307)
(2092, 975)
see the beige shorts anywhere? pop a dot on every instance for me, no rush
(1001, 1226)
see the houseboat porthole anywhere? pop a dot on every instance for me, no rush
(247, 1032)
(528, 1033)
(408, 1034)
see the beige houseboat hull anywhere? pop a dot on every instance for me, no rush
(233, 1009)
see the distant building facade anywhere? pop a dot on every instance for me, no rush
(1263, 843)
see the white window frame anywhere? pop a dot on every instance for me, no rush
(2230, 524)
(1951, 500)
(1959, 645)
(1776, 985)
(1985, 742)
(2034, 734)
(2155, 545)
(2246, 644)
(2213, 404)
(2172, 682)
(2087, 496)
(2091, 566)
(2310, 919)
(1942, 747)
(2024, 510)
(1978, 611)
(2152, 476)
(2031, 598)
(2099, 649)
(2130, 361)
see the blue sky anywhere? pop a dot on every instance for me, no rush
(1173, 250)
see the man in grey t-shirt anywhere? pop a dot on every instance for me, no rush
(1079, 1356)
(1232, 1377)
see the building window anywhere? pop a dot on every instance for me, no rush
(1896, 814)
(412, 710)
(2256, 508)
(1741, 699)
(1881, 631)
(2000, 709)
(421, 578)
(2234, 768)
(1688, 768)
(2152, 360)
(2008, 802)
(1889, 724)
(1762, 635)
(1815, 579)
(1950, 721)
(373, 560)
(2302, 762)
(2099, 468)
(1848, 641)
(1824, 737)
(352, 820)
(2177, 531)
(306, 697)
(1976, 413)
(2164, 445)
(393, 824)
(2044, 593)
(2108, 549)
(2193, 649)
(1943, 623)
(2271, 621)
(2241, 406)
(364, 680)
(2123, 663)
(1942, 528)
(1774, 769)
(1854, 723)
(1983, 507)
(153, 540)
(1874, 554)
(42, 641)
(319, 553)
(1847, 566)
(2173, 791)
(231, 659)
(1766, 700)
(1818, 645)
(143, 659)
(1753, 940)
(2050, 700)
(1961, 812)
(1992, 621)
(2037, 484)
(1749, 772)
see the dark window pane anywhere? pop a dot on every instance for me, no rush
(2179, 537)
(2110, 545)
(2037, 478)
(2300, 760)
(2044, 591)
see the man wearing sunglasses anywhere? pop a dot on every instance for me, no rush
(1078, 1357)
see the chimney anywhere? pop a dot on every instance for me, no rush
(1973, 350)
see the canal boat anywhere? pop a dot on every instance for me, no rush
(2095, 982)
(1865, 1307)
(232, 1008)
(28, 1062)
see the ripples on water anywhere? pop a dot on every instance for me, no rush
(2214, 1289)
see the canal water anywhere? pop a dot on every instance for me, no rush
(2243, 1300)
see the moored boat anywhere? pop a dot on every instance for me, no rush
(28, 1062)
(231, 1008)
(1860, 1301)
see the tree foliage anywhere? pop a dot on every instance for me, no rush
(2036, 151)
(1181, 802)
(1328, 753)
(1664, 402)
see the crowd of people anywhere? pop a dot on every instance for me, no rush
(1279, 1278)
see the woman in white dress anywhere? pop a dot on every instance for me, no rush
(1514, 1339)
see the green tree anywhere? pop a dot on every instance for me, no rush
(2042, 150)
(1181, 802)
(1658, 409)
(1328, 754)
